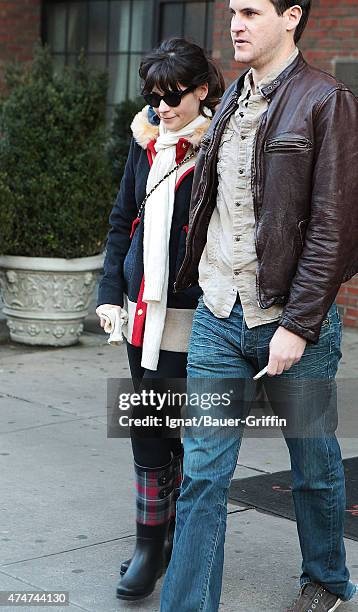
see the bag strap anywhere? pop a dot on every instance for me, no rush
(141, 208)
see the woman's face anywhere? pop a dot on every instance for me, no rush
(176, 117)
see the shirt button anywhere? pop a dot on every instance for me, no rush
(237, 204)
(243, 136)
(236, 272)
(140, 312)
(241, 171)
(237, 238)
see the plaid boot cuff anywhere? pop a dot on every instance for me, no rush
(154, 494)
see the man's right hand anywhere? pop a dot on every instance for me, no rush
(102, 306)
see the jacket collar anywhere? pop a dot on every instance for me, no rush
(293, 68)
(145, 132)
(271, 88)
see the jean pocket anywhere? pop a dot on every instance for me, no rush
(331, 328)
(332, 318)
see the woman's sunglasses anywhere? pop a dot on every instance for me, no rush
(172, 98)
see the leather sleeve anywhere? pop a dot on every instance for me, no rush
(331, 239)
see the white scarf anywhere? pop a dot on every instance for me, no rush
(157, 225)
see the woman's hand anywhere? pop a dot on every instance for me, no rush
(102, 307)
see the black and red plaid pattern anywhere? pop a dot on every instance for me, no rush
(177, 478)
(154, 488)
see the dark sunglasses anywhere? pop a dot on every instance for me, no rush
(172, 98)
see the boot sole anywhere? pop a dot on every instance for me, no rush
(338, 603)
(134, 597)
(142, 596)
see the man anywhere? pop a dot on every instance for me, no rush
(273, 233)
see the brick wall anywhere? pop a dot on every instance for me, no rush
(19, 30)
(347, 301)
(332, 33)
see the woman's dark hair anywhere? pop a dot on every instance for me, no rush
(178, 61)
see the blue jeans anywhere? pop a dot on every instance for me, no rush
(226, 348)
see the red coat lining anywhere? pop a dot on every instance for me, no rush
(139, 319)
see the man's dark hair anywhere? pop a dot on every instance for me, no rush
(282, 5)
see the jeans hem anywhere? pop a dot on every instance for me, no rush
(353, 590)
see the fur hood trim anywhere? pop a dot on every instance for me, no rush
(144, 131)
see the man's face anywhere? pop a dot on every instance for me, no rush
(258, 33)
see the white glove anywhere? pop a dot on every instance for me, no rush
(112, 319)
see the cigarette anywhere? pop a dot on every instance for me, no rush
(261, 373)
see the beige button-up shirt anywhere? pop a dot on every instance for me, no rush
(228, 263)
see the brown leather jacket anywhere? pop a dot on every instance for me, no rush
(305, 192)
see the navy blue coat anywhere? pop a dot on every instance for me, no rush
(123, 266)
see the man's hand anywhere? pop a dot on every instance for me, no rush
(286, 349)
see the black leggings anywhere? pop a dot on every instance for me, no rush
(150, 447)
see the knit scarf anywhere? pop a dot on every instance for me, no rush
(157, 225)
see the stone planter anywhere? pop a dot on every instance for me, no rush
(47, 299)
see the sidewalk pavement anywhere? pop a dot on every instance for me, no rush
(67, 504)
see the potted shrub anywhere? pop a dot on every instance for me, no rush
(56, 192)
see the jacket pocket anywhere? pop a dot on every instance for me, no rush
(287, 144)
(302, 226)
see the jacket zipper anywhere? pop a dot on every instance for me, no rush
(216, 137)
(254, 190)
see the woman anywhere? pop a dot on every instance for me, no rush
(145, 248)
